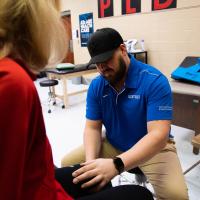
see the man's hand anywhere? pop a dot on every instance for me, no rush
(96, 173)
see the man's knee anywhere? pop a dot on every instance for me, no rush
(67, 161)
(74, 157)
(172, 192)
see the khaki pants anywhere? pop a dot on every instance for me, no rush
(163, 170)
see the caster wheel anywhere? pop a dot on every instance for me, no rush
(49, 111)
(54, 103)
(63, 106)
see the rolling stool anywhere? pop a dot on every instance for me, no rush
(51, 97)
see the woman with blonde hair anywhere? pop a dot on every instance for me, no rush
(32, 36)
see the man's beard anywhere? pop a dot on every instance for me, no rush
(119, 75)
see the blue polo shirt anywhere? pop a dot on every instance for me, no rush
(145, 97)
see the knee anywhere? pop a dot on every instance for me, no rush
(72, 158)
(174, 193)
(177, 195)
(69, 160)
(64, 162)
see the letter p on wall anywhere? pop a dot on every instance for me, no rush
(105, 8)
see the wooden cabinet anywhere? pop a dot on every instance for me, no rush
(186, 100)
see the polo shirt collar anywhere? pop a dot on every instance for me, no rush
(132, 74)
(106, 82)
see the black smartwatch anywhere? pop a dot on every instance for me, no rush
(119, 165)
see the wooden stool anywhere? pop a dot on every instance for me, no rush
(195, 143)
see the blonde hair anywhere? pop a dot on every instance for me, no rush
(32, 30)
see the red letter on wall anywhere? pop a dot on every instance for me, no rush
(131, 6)
(163, 4)
(128, 7)
(105, 8)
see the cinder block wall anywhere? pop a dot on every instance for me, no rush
(170, 35)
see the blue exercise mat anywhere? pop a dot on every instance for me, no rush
(189, 70)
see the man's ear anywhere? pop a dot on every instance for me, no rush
(123, 49)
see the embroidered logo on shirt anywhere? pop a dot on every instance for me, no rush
(130, 96)
(105, 95)
(165, 108)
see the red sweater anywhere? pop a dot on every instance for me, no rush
(26, 165)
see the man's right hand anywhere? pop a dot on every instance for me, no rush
(99, 172)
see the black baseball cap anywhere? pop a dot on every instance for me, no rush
(102, 44)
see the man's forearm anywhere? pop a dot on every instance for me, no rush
(142, 151)
(92, 144)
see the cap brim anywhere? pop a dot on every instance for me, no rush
(101, 57)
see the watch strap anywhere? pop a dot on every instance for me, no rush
(119, 165)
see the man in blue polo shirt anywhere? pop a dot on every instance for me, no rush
(133, 101)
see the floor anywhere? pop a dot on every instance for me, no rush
(65, 131)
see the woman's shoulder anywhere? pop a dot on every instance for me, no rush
(14, 76)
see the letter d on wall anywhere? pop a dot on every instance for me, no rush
(163, 4)
(105, 8)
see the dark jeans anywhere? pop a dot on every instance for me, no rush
(125, 192)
